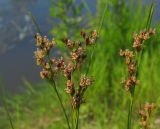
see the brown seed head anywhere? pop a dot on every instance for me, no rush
(85, 81)
(70, 87)
(45, 74)
(141, 37)
(39, 54)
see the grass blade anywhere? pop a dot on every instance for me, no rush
(35, 22)
(5, 106)
(150, 15)
(99, 30)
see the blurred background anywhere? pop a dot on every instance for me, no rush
(29, 98)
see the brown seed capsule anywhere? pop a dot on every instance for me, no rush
(70, 44)
(83, 34)
(74, 55)
(141, 37)
(145, 115)
(85, 81)
(70, 87)
(39, 54)
(68, 70)
(45, 74)
(39, 39)
(94, 34)
(130, 83)
(132, 68)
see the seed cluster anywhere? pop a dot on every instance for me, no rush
(44, 47)
(141, 37)
(51, 66)
(130, 59)
(145, 115)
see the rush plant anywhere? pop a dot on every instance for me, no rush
(53, 66)
(133, 60)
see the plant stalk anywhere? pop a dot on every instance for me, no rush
(75, 118)
(53, 84)
(139, 58)
(130, 112)
(99, 30)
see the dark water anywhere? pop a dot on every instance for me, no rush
(17, 42)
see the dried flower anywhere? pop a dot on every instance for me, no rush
(141, 37)
(145, 114)
(94, 34)
(68, 70)
(60, 64)
(39, 54)
(89, 40)
(85, 81)
(130, 60)
(70, 44)
(127, 54)
(52, 66)
(130, 83)
(70, 87)
(45, 74)
(132, 68)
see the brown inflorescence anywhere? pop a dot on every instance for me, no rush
(44, 47)
(141, 37)
(51, 66)
(145, 115)
(131, 59)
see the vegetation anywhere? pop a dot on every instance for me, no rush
(107, 102)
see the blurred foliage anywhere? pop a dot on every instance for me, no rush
(69, 17)
(106, 106)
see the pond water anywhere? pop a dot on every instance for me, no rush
(17, 42)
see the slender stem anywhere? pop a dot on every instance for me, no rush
(35, 22)
(99, 30)
(86, 6)
(130, 112)
(53, 84)
(77, 110)
(75, 118)
(138, 59)
(150, 16)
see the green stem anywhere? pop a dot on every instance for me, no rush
(130, 112)
(99, 30)
(86, 6)
(150, 16)
(139, 58)
(53, 84)
(35, 22)
(75, 118)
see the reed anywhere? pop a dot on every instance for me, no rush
(51, 67)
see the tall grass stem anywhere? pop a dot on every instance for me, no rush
(149, 20)
(99, 30)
